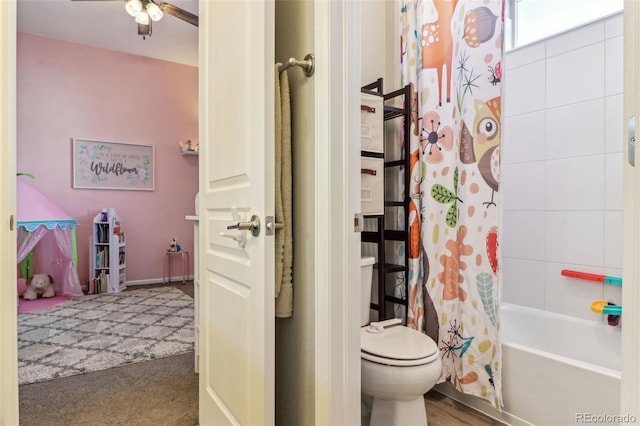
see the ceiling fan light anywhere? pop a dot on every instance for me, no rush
(133, 7)
(142, 18)
(154, 11)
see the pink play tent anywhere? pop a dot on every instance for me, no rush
(43, 226)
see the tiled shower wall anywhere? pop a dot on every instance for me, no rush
(562, 168)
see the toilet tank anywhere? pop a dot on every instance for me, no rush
(366, 279)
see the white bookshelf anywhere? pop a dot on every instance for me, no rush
(107, 261)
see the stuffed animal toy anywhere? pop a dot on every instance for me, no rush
(39, 284)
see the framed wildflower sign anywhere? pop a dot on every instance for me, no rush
(113, 165)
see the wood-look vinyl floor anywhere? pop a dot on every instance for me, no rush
(443, 411)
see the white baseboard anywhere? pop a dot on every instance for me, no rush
(157, 280)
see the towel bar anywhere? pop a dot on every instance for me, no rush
(308, 65)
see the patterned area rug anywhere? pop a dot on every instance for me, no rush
(101, 331)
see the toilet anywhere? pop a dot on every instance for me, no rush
(398, 366)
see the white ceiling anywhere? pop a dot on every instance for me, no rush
(106, 24)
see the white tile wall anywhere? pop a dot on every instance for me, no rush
(614, 26)
(613, 181)
(523, 282)
(528, 93)
(575, 128)
(563, 135)
(523, 235)
(574, 237)
(572, 40)
(524, 182)
(614, 124)
(613, 66)
(525, 55)
(575, 76)
(526, 136)
(575, 183)
(613, 235)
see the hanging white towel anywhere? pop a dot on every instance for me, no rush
(283, 192)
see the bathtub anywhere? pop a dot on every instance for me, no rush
(556, 368)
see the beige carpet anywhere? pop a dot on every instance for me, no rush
(155, 393)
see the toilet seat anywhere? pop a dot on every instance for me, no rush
(398, 346)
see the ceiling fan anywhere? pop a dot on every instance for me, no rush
(147, 11)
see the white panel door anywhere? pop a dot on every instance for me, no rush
(8, 292)
(236, 172)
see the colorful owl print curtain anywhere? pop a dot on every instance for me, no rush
(452, 57)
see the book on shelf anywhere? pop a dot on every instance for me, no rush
(99, 284)
(102, 230)
(102, 257)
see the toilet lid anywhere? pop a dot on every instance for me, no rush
(398, 343)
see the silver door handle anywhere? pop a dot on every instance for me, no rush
(253, 225)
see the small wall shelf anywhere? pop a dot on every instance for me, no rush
(188, 147)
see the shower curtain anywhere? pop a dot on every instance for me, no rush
(452, 55)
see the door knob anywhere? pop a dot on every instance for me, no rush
(253, 225)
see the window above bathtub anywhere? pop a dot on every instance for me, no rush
(527, 21)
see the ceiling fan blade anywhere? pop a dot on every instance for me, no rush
(179, 13)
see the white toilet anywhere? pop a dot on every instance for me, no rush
(398, 366)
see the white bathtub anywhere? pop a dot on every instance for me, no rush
(555, 368)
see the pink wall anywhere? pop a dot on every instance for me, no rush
(67, 90)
